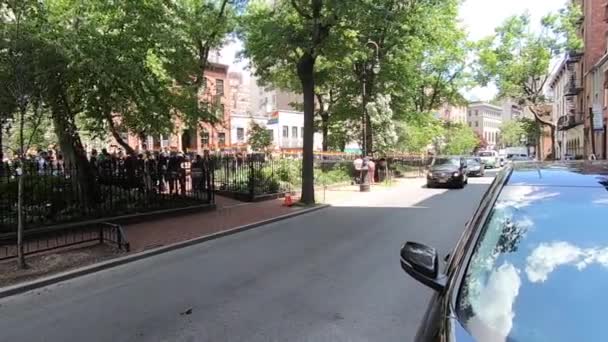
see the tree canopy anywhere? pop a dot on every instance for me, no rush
(517, 58)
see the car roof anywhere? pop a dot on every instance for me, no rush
(545, 245)
(570, 174)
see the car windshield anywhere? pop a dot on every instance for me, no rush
(447, 161)
(473, 161)
(486, 154)
(534, 267)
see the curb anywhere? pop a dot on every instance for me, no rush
(42, 282)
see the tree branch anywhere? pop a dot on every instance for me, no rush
(299, 9)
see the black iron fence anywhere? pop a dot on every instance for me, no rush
(53, 239)
(407, 166)
(56, 195)
(253, 176)
(248, 177)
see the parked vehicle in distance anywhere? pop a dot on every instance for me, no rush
(502, 154)
(522, 150)
(518, 157)
(518, 255)
(490, 159)
(475, 167)
(450, 171)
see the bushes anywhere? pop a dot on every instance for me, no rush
(338, 173)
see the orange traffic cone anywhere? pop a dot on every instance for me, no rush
(287, 202)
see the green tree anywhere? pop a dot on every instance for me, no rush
(517, 59)
(418, 133)
(459, 139)
(259, 138)
(511, 133)
(293, 35)
(381, 118)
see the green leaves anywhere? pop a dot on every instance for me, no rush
(459, 139)
(511, 132)
(259, 138)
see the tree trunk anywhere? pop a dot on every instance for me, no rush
(73, 152)
(325, 130)
(1, 149)
(20, 253)
(116, 135)
(306, 66)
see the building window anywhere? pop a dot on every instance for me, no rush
(285, 131)
(219, 87)
(240, 133)
(204, 138)
(470, 124)
(302, 132)
(476, 123)
(221, 139)
(271, 133)
(164, 141)
(294, 132)
(476, 113)
(469, 113)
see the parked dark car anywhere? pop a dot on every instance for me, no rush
(449, 171)
(531, 265)
(475, 167)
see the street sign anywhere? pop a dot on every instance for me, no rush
(598, 117)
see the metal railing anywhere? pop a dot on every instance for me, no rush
(52, 239)
(57, 195)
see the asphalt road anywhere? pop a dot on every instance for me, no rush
(332, 275)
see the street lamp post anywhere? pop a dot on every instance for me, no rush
(364, 186)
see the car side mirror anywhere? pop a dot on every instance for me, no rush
(421, 262)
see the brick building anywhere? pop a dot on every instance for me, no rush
(204, 136)
(593, 30)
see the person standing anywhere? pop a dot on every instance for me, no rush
(197, 173)
(371, 171)
(173, 172)
(358, 164)
(161, 170)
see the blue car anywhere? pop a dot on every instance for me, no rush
(531, 265)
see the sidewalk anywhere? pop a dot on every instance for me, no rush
(229, 214)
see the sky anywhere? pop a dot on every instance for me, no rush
(478, 17)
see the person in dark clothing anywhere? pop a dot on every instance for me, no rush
(181, 173)
(93, 158)
(173, 172)
(161, 167)
(197, 173)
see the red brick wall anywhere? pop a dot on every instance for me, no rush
(594, 36)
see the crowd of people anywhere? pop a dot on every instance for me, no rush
(165, 171)
(158, 171)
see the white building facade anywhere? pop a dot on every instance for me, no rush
(288, 131)
(451, 113)
(240, 126)
(485, 119)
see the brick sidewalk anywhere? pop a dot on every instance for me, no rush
(229, 214)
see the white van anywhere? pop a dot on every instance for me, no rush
(489, 158)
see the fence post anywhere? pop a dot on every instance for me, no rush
(251, 178)
(101, 233)
(118, 236)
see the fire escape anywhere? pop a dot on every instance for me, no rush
(572, 89)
